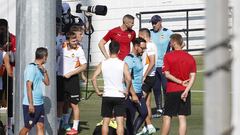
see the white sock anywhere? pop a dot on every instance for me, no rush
(75, 124)
(150, 126)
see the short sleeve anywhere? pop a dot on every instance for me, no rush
(108, 36)
(30, 72)
(151, 50)
(165, 64)
(129, 62)
(82, 57)
(134, 35)
(193, 67)
(170, 33)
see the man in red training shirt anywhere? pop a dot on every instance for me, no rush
(123, 34)
(180, 70)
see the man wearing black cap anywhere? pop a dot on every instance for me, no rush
(161, 37)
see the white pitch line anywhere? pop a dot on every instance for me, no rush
(200, 71)
(197, 91)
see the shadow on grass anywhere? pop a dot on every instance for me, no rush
(86, 96)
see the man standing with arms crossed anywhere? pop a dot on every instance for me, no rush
(35, 75)
(114, 72)
(180, 70)
(161, 37)
(123, 34)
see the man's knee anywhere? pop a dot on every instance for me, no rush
(120, 130)
(74, 106)
(40, 126)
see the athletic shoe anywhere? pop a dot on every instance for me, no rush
(143, 132)
(160, 111)
(67, 127)
(152, 130)
(72, 132)
(158, 114)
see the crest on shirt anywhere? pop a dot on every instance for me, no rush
(73, 55)
(161, 36)
(30, 122)
(129, 36)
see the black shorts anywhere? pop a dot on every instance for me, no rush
(174, 105)
(31, 119)
(60, 89)
(148, 84)
(72, 89)
(113, 105)
(68, 89)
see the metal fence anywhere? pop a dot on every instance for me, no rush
(186, 18)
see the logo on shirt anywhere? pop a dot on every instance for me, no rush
(161, 36)
(73, 55)
(129, 36)
(30, 122)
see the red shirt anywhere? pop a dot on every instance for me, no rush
(13, 46)
(13, 42)
(180, 64)
(124, 39)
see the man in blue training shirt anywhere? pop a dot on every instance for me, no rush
(136, 101)
(35, 75)
(161, 37)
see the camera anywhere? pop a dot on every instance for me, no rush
(98, 9)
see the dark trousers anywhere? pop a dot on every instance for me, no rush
(8, 87)
(134, 124)
(159, 89)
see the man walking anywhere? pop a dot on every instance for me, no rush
(35, 75)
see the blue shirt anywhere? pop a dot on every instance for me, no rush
(33, 74)
(161, 39)
(136, 68)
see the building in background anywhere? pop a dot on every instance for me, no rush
(117, 9)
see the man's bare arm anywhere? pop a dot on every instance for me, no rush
(173, 78)
(102, 48)
(128, 78)
(76, 71)
(94, 80)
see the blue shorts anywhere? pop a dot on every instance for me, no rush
(31, 119)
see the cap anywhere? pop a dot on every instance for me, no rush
(155, 19)
(65, 7)
(3, 22)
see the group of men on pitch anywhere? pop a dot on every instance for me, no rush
(156, 62)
